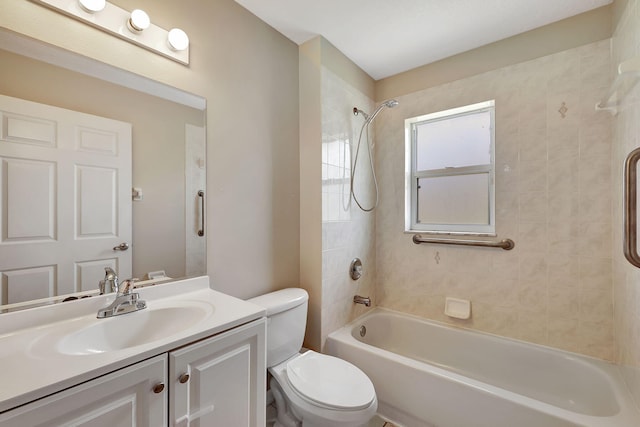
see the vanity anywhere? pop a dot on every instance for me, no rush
(193, 355)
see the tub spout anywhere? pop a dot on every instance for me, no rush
(362, 300)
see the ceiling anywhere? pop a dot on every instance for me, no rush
(386, 37)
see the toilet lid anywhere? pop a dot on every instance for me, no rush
(330, 381)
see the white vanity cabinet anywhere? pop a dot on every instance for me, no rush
(133, 396)
(218, 381)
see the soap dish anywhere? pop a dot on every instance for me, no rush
(457, 308)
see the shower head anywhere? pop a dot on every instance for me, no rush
(390, 103)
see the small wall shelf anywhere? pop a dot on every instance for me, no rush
(628, 76)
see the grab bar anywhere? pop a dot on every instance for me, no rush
(506, 244)
(201, 195)
(630, 238)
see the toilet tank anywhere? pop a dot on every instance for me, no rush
(286, 322)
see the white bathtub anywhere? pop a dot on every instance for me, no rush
(429, 374)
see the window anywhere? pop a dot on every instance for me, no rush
(450, 171)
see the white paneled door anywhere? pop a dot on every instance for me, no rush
(65, 186)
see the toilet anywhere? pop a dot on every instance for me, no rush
(310, 389)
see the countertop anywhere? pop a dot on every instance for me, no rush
(30, 369)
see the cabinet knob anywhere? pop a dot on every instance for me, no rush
(158, 388)
(183, 378)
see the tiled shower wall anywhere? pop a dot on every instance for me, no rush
(626, 137)
(553, 198)
(347, 232)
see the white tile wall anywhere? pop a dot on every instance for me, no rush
(626, 131)
(553, 198)
(347, 232)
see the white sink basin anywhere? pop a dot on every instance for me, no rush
(62, 345)
(134, 329)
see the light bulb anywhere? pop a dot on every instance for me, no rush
(139, 21)
(92, 6)
(178, 39)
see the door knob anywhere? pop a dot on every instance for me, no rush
(121, 247)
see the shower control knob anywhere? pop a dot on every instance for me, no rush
(355, 269)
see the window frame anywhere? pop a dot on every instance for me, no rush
(412, 175)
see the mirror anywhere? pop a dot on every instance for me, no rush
(168, 166)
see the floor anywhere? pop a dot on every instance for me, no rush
(375, 422)
(379, 422)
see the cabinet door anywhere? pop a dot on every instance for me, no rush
(120, 399)
(220, 381)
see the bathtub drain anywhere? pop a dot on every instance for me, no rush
(363, 331)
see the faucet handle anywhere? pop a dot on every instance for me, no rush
(126, 286)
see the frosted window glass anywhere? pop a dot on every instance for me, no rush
(449, 185)
(458, 199)
(457, 141)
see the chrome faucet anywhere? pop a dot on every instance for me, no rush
(125, 302)
(110, 282)
(362, 300)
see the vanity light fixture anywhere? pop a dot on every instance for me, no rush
(178, 39)
(134, 27)
(138, 21)
(92, 6)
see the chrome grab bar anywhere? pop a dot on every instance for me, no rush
(506, 244)
(630, 220)
(201, 195)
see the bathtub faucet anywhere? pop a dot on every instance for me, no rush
(362, 300)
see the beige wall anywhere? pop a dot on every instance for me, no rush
(625, 139)
(553, 181)
(566, 34)
(158, 150)
(249, 74)
(310, 195)
(619, 8)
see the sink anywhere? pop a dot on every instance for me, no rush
(134, 329)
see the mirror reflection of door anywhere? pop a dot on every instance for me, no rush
(54, 162)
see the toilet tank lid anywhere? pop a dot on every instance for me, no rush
(279, 301)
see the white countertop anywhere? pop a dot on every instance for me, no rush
(31, 368)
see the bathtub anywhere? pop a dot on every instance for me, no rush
(430, 374)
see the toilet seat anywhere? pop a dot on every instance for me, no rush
(329, 382)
